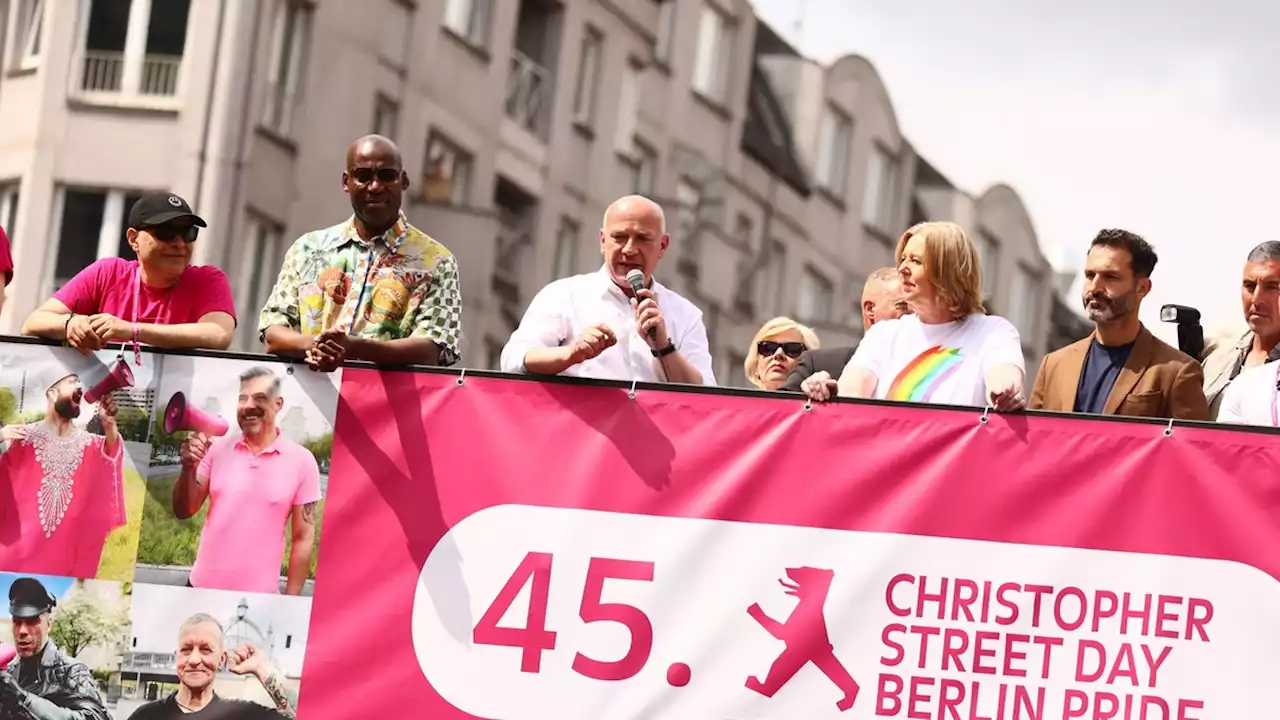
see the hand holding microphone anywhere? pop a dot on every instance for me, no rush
(649, 317)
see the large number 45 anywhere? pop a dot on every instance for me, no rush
(534, 638)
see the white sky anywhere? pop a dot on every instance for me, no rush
(1157, 116)
(201, 378)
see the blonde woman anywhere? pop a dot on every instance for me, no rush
(776, 351)
(949, 352)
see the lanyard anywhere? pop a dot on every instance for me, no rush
(137, 301)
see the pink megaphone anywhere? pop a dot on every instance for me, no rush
(179, 416)
(7, 654)
(119, 377)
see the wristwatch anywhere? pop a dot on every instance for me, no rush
(670, 348)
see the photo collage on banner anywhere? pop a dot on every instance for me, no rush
(159, 528)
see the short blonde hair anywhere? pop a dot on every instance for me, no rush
(769, 329)
(952, 263)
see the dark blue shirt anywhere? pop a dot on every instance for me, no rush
(1101, 368)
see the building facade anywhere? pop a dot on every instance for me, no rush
(785, 181)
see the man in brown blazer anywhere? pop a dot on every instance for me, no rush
(1121, 369)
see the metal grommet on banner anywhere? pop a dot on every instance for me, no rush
(462, 379)
(1168, 429)
(986, 415)
(288, 370)
(808, 405)
(632, 392)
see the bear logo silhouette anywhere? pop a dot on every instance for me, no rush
(806, 637)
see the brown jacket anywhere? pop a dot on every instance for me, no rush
(1157, 381)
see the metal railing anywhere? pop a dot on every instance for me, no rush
(527, 87)
(104, 72)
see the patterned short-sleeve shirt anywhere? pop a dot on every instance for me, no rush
(403, 284)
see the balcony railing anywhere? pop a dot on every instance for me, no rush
(104, 72)
(527, 88)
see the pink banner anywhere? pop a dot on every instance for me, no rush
(526, 551)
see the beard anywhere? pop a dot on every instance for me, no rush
(1110, 308)
(66, 409)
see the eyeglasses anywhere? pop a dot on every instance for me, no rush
(365, 175)
(169, 233)
(769, 347)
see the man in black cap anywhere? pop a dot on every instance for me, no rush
(160, 299)
(43, 684)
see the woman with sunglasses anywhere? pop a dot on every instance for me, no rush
(160, 299)
(776, 351)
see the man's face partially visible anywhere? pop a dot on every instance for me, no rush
(29, 634)
(200, 655)
(66, 397)
(257, 405)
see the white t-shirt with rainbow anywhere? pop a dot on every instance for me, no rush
(943, 364)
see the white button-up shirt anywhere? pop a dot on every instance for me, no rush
(566, 307)
(1250, 399)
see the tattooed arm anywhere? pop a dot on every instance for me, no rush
(246, 660)
(285, 700)
(303, 533)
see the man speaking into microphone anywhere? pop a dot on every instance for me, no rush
(617, 323)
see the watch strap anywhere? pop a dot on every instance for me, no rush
(670, 348)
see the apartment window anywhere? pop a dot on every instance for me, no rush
(715, 53)
(644, 166)
(882, 179)
(816, 295)
(689, 203)
(292, 42)
(9, 211)
(743, 228)
(91, 225)
(773, 276)
(468, 19)
(584, 95)
(988, 259)
(1024, 304)
(448, 172)
(492, 353)
(835, 148)
(628, 109)
(566, 249)
(666, 31)
(134, 48)
(386, 116)
(26, 24)
(263, 256)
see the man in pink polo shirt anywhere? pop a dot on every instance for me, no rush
(6, 264)
(258, 481)
(160, 299)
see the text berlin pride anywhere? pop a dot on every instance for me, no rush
(1061, 616)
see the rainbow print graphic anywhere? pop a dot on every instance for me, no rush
(922, 376)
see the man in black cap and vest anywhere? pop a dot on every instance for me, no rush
(43, 683)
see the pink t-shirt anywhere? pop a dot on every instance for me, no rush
(250, 498)
(107, 286)
(6, 258)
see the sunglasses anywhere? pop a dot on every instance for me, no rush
(769, 347)
(386, 176)
(168, 233)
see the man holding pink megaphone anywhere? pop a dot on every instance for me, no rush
(67, 483)
(257, 481)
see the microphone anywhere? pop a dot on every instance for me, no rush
(635, 279)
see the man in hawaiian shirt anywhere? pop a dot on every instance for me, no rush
(373, 288)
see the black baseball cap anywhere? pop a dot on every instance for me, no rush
(28, 598)
(161, 207)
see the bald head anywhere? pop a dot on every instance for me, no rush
(882, 297)
(376, 181)
(373, 146)
(636, 206)
(633, 236)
